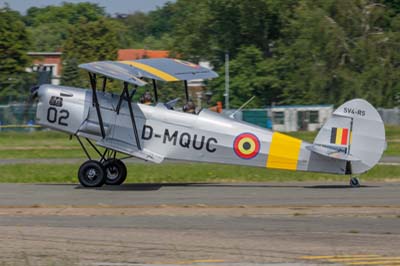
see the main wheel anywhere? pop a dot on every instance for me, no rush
(354, 182)
(91, 174)
(115, 171)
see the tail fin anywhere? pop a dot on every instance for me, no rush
(357, 133)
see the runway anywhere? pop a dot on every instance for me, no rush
(213, 194)
(200, 224)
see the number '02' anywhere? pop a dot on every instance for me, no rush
(52, 115)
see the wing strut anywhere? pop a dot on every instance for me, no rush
(95, 103)
(128, 97)
(155, 90)
(186, 90)
(104, 83)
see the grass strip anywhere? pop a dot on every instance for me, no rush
(184, 172)
(52, 144)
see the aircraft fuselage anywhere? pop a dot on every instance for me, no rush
(170, 134)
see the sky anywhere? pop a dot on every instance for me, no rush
(112, 6)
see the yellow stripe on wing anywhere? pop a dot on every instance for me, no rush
(284, 152)
(154, 71)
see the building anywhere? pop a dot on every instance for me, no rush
(289, 117)
(300, 117)
(134, 54)
(47, 62)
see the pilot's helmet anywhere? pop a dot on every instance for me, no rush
(189, 107)
(146, 98)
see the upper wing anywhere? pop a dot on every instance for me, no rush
(113, 70)
(164, 69)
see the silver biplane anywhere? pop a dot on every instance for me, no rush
(351, 141)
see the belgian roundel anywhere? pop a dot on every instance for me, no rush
(246, 145)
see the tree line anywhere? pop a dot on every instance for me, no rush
(283, 52)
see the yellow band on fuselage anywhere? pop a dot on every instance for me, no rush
(283, 152)
(154, 71)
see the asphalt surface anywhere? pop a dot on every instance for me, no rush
(200, 224)
(226, 194)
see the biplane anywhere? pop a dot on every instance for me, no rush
(351, 141)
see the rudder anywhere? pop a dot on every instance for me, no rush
(357, 130)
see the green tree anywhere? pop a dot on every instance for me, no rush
(210, 28)
(338, 50)
(149, 30)
(14, 44)
(312, 51)
(289, 52)
(192, 35)
(50, 24)
(136, 28)
(70, 73)
(250, 75)
(69, 13)
(90, 41)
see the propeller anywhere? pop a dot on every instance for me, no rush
(43, 77)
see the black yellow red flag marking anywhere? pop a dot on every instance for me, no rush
(340, 136)
(246, 145)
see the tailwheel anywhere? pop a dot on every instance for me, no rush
(115, 171)
(354, 182)
(91, 174)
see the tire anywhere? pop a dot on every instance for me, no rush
(115, 172)
(91, 174)
(354, 182)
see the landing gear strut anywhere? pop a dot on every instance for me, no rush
(108, 170)
(354, 182)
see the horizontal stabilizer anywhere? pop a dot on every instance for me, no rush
(332, 153)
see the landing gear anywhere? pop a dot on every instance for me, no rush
(91, 174)
(354, 182)
(115, 171)
(107, 170)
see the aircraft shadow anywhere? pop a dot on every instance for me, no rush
(143, 186)
(337, 187)
(158, 186)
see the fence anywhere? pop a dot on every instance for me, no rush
(17, 117)
(287, 118)
(21, 116)
(294, 118)
(390, 116)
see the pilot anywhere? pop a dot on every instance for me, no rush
(189, 107)
(146, 98)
